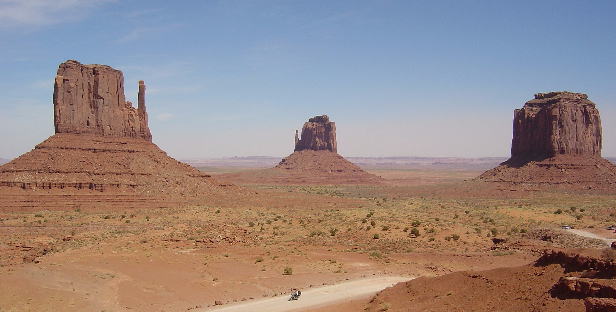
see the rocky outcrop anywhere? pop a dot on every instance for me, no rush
(317, 134)
(89, 99)
(575, 287)
(102, 145)
(556, 123)
(600, 304)
(556, 141)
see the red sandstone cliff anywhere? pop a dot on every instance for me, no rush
(556, 123)
(556, 140)
(89, 99)
(317, 134)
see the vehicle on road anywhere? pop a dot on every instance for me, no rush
(295, 295)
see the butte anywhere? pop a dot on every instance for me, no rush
(556, 141)
(315, 160)
(101, 153)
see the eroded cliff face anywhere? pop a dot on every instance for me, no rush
(317, 134)
(556, 123)
(556, 141)
(89, 99)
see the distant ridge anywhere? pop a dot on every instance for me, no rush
(390, 162)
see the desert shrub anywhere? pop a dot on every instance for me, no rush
(579, 217)
(259, 259)
(494, 231)
(217, 211)
(251, 224)
(147, 218)
(376, 254)
(333, 232)
(416, 223)
(415, 231)
(385, 228)
(558, 211)
(431, 239)
(287, 271)
(316, 233)
(364, 220)
(38, 215)
(376, 236)
(406, 229)
(455, 237)
(522, 231)
(431, 230)
(372, 223)
(370, 214)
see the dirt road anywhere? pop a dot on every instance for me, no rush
(315, 297)
(608, 241)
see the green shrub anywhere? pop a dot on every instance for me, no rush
(415, 231)
(376, 236)
(287, 271)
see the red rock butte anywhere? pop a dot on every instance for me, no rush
(314, 161)
(556, 140)
(318, 134)
(102, 145)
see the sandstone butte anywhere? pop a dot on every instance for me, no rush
(314, 161)
(556, 140)
(102, 144)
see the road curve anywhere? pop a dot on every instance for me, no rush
(314, 297)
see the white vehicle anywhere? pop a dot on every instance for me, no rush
(566, 227)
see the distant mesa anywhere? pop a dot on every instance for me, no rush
(102, 144)
(556, 140)
(314, 161)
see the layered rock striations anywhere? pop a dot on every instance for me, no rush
(102, 144)
(318, 134)
(89, 99)
(557, 139)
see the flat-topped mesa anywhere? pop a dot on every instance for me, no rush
(89, 99)
(317, 134)
(556, 123)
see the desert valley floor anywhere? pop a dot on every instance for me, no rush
(95, 252)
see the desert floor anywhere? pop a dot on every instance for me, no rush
(215, 253)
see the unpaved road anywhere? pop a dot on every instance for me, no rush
(608, 241)
(315, 297)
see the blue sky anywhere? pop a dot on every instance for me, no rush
(236, 78)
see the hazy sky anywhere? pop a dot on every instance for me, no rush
(236, 78)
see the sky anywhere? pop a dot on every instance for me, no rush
(236, 78)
